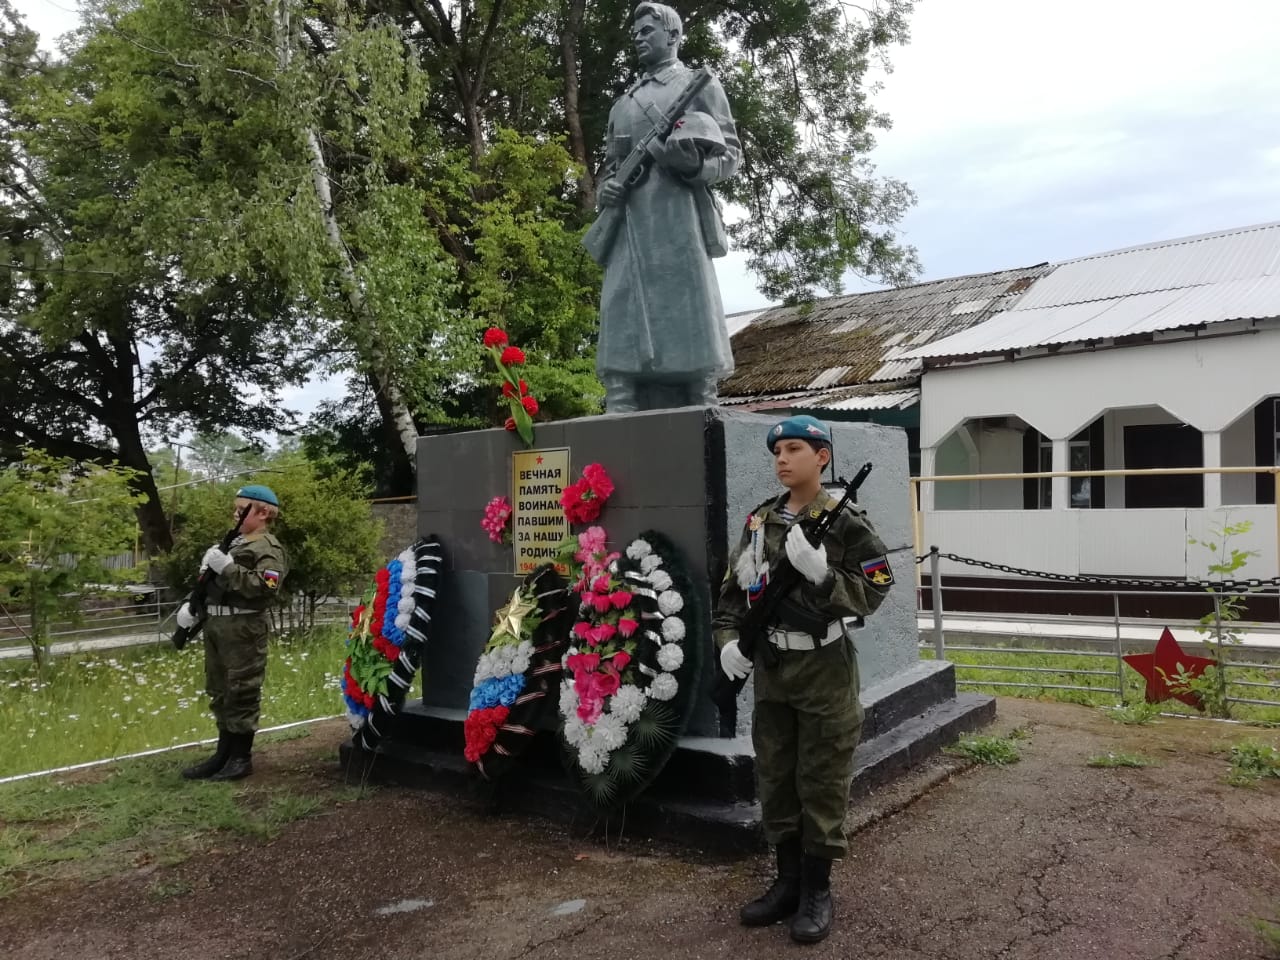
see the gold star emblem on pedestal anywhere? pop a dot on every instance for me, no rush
(509, 620)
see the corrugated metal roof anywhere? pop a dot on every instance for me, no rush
(866, 336)
(1232, 275)
(897, 400)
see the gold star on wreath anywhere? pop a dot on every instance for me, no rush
(510, 620)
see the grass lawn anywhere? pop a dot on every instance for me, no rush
(94, 706)
(141, 814)
(1045, 672)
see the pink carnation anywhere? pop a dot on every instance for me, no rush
(620, 660)
(620, 599)
(627, 626)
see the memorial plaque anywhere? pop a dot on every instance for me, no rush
(538, 523)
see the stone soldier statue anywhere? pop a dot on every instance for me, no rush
(663, 339)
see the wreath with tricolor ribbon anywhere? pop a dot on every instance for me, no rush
(517, 674)
(389, 632)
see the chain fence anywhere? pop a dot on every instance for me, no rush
(1081, 658)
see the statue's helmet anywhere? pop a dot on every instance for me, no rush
(702, 129)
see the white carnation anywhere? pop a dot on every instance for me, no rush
(405, 605)
(484, 669)
(627, 703)
(639, 549)
(670, 602)
(406, 557)
(650, 563)
(568, 699)
(664, 687)
(610, 732)
(673, 629)
(402, 620)
(660, 580)
(670, 656)
(355, 720)
(591, 757)
(575, 731)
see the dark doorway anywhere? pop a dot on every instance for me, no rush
(1148, 446)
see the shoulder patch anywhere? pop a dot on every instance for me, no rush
(877, 571)
(271, 578)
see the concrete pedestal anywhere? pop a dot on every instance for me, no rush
(694, 474)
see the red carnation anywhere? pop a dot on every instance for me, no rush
(598, 480)
(524, 389)
(493, 337)
(510, 424)
(621, 659)
(512, 356)
(507, 389)
(530, 405)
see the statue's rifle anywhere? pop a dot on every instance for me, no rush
(599, 237)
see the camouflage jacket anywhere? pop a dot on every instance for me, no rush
(857, 584)
(253, 581)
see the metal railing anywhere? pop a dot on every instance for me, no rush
(137, 623)
(1071, 661)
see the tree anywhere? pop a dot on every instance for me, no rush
(326, 526)
(128, 308)
(61, 523)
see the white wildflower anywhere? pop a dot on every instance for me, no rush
(664, 687)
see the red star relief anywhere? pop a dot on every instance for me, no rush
(1168, 657)
(539, 460)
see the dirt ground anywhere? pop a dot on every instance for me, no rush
(1047, 858)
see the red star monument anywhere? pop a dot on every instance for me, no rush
(1163, 664)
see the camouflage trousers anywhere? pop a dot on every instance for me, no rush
(805, 727)
(235, 663)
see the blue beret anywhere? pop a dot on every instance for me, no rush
(802, 427)
(256, 491)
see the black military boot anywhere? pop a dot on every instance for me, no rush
(780, 900)
(812, 921)
(239, 764)
(207, 768)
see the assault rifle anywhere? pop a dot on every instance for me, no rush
(196, 598)
(753, 632)
(599, 237)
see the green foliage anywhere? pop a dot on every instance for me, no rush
(1109, 760)
(1269, 931)
(60, 524)
(1252, 762)
(1219, 626)
(326, 526)
(991, 750)
(85, 707)
(1136, 713)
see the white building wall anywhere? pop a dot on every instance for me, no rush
(1000, 451)
(1100, 542)
(1207, 383)
(1238, 451)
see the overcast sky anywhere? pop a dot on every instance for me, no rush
(1037, 131)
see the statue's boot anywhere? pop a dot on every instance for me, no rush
(619, 394)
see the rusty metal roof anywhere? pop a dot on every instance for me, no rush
(809, 352)
(1173, 284)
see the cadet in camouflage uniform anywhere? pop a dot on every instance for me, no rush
(235, 635)
(807, 717)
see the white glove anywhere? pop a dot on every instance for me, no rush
(810, 561)
(186, 619)
(734, 664)
(216, 560)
